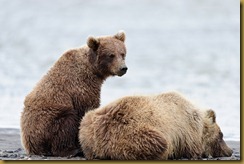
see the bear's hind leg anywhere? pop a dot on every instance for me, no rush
(146, 143)
(65, 134)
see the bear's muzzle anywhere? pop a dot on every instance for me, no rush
(122, 71)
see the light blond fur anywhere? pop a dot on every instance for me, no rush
(159, 127)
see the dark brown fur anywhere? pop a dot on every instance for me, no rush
(160, 127)
(52, 112)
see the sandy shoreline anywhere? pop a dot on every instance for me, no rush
(11, 148)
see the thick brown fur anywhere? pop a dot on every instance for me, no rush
(159, 127)
(54, 108)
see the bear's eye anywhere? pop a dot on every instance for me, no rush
(111, 56)
(123, 55)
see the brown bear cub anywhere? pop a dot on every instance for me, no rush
(160, 127)
(53, 110)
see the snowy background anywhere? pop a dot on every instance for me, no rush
(192, 46)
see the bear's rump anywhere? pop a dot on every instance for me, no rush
(50, 131)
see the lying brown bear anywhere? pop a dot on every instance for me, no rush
(161, 127)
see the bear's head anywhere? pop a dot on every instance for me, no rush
(213, 143)
(107, 54)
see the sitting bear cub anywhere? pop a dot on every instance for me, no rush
(53, 109)
(160, 127)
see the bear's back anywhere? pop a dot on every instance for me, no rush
(164, 109)
(168, 112)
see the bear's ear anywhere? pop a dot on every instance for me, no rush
(210, 114)
(93, 43)
(120, 35)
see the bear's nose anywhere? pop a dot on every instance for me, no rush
(124, 69)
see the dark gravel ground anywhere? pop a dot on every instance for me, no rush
(11, 149)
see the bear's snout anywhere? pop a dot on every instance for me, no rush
(122, 71)
(228, 152)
